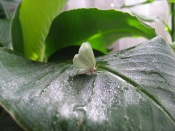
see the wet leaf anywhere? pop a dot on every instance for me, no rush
(133, 89)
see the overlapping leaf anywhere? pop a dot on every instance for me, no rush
(100, 27)
(32, 21)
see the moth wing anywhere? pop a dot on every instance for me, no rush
(85, 58)
(78, 63)
(86, 54)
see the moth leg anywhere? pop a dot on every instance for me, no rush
(88, 71)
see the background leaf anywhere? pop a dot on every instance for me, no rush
(5, 34)
(172, 45)
(33, 19)
(137, 4)
(8, 7)
(133, 89)
(100, 27)
(171, 1)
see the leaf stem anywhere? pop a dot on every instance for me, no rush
(172, 21)
(42, 55)
(133, 5)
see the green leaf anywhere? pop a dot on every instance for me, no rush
(134, 89)
(5, 34)
(137, 4)
(33, 19)
(17, 38)
(9, 7)
(172, 45)
(145, 18)
(100, 27)
(171, 1)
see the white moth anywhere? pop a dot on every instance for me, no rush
(85, 60)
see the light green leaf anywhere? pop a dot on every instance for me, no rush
(172, 45)
(171, 1)
(99, 27)
(34, 17)
(134, 89)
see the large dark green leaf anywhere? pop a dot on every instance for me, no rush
(134, 89)
(33, 20)
(100, 27)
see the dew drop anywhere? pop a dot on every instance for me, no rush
(54, 122)
(62, 82)
(44, 90)
(81, 113)
(57, 115)
(70, 87)
(163, 122)
(70, 78)
(124, 56)
(140, 127)
(81, 108)
(122, 90)
(94, 83)
(37, 81)
(126, 88)
(112, 5)
(109, 62)
(107, 121)
(126, 118)
(71, 84)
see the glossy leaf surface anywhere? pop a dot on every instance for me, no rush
(133, 89)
